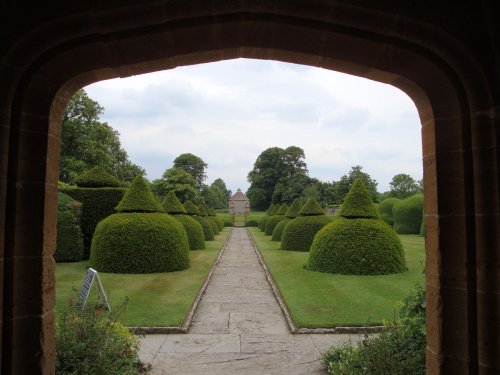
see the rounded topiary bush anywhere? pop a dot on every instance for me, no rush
(262, 223)
(278, 229)
(217, 219)
(205, 214)
(408, 214)
(69, 245)
(385, 210)
(138, 242)
(95, 178)
(275, 219)
(194, 230)
(139, 238)
(357, 247)
(299, 233)
(207, 227)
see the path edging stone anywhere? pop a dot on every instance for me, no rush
(184, 327)
(288, 317)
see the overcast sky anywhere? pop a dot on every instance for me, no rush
(228, 112)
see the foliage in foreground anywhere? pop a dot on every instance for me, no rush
(398, 350)
(95, 342)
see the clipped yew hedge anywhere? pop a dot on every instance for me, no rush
(137, 242)
(278, 229)
(207, 227)
(95, 178)
(408, 214)
(385, 210)
(357, 247)
(97, 204)
(299, 233)
(194, 231)
(69, 243)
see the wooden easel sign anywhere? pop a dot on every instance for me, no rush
(87, 285)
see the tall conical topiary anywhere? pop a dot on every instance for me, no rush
(191, 208)
(262, 222)
(275, 219)
(172, 205)
(217, 219)
(139, 238)
(196, 237)
(293, 210)
(275, 209)
(95, 178)
(205, 212)
(358, 203)
(291, 213)
(139, 198)
(299, 233)
(194, 211)
(359, 243)
(311, 208)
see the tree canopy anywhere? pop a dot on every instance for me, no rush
(339, 189)
(194, 165)
(180, 182)
(273, 171)
(403, 186)
(217, 194)
(87, 142)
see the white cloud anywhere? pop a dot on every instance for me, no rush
(229, 112)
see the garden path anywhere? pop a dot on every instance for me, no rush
(238, 327)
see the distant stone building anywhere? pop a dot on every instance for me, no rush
(239, 204)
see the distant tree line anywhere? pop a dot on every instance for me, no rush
(280, 175)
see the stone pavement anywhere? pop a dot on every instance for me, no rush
(238, 327)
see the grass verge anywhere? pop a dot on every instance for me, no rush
(322, 300)
(155, 300)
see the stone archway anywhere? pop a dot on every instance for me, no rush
(450, 73)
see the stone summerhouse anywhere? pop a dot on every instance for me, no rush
(239, 204)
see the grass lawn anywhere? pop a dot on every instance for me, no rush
(318, 299)
(155, 300)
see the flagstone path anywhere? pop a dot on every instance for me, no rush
(238, 327)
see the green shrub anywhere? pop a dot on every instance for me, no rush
(278, 229)
(422, 227)
(299, 233)
(191, 208)
(408, 215)
(69, 244)
(194, 231)
(139, 198)
(293, 210)
(311, 208)
(172, 205)
(275, 209)
(252, 223)
(271, 224)
(385, 210)
(95, 178)
(217, 219)
(398, 350)
(357, 247)
(137, 242)
(263, 221)
(97, 204)
(207, 227)
(213, 223)
(94, 342)
(358, 203)
(228, 224)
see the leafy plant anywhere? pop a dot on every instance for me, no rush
(94, 341)
(398, 350)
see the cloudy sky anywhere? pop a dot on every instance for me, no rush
(228, 112)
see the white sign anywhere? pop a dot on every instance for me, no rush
(87, 285)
